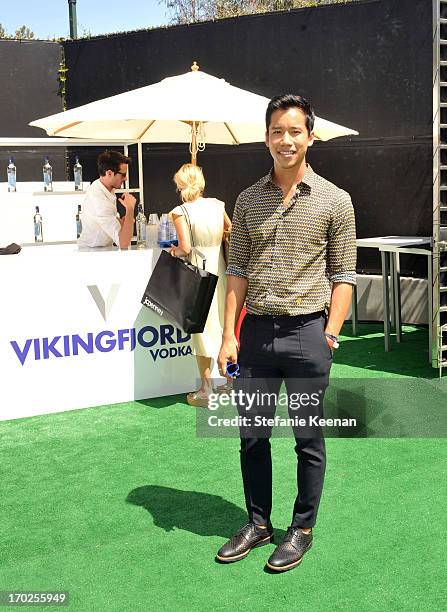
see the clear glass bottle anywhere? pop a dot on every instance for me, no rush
(78, 222)
(12, 176)
(47, 175)
(141, 223)
(77, 172)
(38, 233)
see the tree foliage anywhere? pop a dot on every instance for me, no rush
(22, 33)
(190, 11)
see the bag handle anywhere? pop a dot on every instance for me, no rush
(194, 248)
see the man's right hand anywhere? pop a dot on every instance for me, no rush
(128, 201)
(228, 353)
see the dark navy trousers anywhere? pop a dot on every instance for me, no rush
(274, 349)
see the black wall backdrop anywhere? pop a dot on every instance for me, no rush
(366, 65)
(29, 90)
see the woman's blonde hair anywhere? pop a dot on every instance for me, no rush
(190, 182)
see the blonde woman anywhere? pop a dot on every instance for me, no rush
(208, 221)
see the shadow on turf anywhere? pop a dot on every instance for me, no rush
(163, 402)
(200, 513)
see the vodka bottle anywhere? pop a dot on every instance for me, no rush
(77, 171)
(78, 222)
(141, 222)
(38, 234)
(12, 173)
(47, 175)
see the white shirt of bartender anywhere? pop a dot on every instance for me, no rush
(100, 225)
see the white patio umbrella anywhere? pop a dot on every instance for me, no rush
(194, 107)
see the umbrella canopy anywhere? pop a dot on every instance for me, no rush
(194, 107)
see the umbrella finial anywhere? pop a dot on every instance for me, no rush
(194, 66)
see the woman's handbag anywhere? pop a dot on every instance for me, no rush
(181, 292)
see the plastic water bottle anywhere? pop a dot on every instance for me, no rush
(78, 222)
(141, 223)
(172, 233)
(47, 175)
(77, 172)
(163, 232)
(152, 231)
(38, 233)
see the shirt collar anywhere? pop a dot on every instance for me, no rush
(109, 194)
(308, 178)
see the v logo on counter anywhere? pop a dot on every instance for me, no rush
(104, 305)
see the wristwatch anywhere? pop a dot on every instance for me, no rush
(333, 340)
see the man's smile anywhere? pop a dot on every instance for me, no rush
(287, 153)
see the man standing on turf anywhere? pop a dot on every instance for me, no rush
(292, 260)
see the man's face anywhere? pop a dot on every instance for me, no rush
(117, 179)
(287, 138)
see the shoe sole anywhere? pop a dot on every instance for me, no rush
(263, 542)
(286, 568)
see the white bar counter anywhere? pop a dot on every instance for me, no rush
(74, 334)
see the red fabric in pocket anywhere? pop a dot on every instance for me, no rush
(239, 323)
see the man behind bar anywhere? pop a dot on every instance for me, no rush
(292, 259)
(101, 226)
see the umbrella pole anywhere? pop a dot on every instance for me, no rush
(194, 143)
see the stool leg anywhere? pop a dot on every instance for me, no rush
(386, 300)
(397, 300)
(355, 311)
(392, 291)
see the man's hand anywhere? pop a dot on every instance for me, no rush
(330, 342)
(125, 233)
(228, 353)
(128, 201)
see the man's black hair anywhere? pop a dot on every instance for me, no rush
(111, 160)
(290, 101)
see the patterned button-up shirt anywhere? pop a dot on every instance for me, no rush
(291, 254)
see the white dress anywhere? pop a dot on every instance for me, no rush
(206, 216)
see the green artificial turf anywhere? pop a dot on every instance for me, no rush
(124, 507)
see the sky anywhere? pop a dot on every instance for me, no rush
(49, 18)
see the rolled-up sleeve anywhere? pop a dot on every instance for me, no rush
(105, 216)
(342, 249)
(240, 242)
